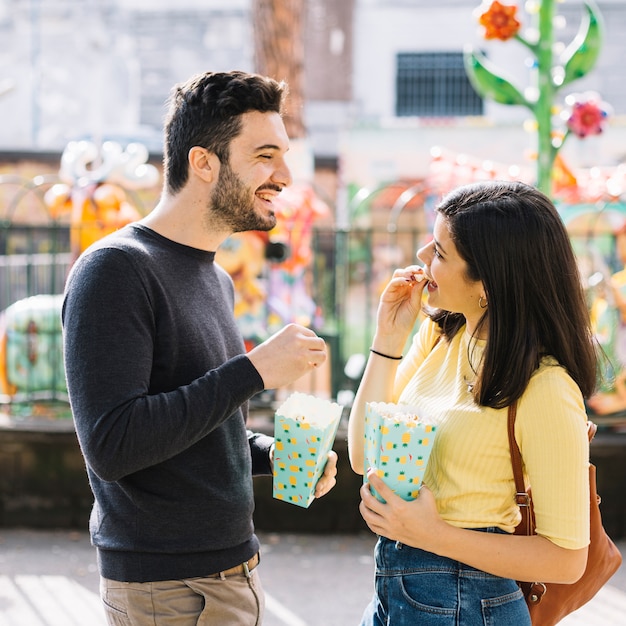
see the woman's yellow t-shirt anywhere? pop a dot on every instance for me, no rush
(469, 470)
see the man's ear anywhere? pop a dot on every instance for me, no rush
(203, 164)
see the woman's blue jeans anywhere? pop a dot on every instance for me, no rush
(418, 588)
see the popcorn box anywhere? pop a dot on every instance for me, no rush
(398, 444)
(304, 432)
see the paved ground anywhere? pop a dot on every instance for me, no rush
(49, 578)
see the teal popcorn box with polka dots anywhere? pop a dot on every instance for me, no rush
(398, 443)
(304, 433)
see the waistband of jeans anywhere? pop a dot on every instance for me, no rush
(486, 529)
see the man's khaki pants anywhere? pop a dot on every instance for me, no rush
(225, 599)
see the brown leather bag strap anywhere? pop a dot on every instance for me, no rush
(516, 455)
(522, 497)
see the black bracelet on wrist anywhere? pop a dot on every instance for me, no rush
(386, 356)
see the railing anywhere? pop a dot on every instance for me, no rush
(349, 269)
(24, 275)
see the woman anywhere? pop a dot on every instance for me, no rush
(506, 322)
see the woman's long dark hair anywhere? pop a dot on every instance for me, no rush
(513, 240)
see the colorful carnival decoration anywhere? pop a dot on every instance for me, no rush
(270, 269)
(289, 294)
(94, 187)
(500, 21)
(595, 186)
(607, 290)
(243, 256)
(93, 191)
(551, 71)
(31, 346)
(585, 114)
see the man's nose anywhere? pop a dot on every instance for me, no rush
(282, 175)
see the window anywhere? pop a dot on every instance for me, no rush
(434, 84)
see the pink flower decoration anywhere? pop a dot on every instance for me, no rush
(586, 115)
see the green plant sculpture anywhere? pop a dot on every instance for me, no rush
(583, 114)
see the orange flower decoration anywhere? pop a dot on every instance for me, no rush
(499, 21)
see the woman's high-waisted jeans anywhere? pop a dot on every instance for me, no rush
(418, 588)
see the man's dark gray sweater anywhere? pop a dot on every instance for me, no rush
(159, 383)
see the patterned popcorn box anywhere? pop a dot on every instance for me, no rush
(397, 444)
(304, 432)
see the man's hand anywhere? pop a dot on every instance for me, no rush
(287, 355)
(329, 478)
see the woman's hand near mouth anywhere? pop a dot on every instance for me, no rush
(400, 304)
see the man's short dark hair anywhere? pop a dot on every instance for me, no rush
(206, 111)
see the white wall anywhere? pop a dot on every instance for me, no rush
(384, 29)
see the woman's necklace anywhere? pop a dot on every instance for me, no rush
(474, 353)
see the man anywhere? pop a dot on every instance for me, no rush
(158, 378)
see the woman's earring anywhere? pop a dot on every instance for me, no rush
(482, 303)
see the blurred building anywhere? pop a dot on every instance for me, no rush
(384, 79)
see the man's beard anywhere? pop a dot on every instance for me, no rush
(233, 204)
